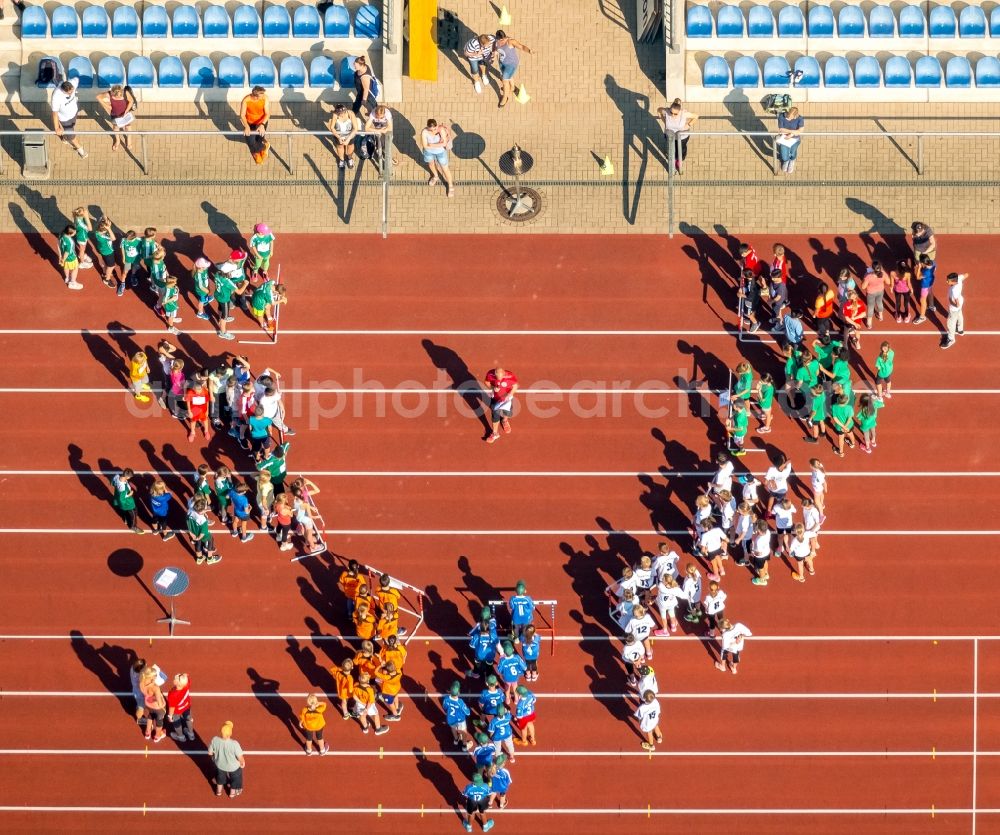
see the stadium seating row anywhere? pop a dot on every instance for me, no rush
(759, 22)
(214, 22)
(867, 72)
(201, 72)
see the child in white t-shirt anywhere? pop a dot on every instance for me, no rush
(648, 714)
(812, 521)
(641, 625)
(632, 653)
(784, 521)
(668, 595)
(692, 592)
(817, 474)
(800, 549)
(665, 563)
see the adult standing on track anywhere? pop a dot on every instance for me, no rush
(924, 242)
(503, 386)
(506, 50)
(956, 305)
(227, 756)
(876, 281)
(733, 637)
(65, 108)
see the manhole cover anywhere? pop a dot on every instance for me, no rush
(519, 204)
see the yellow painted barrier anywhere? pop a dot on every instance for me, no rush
(423, 40)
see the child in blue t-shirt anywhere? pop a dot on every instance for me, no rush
(491, 698)
(524, 716)
(499, 781)
(501, 732)
(531, 647)
(477, 800)
(484, 752)
(456, 714)
(483, 642)
(239, 495)
(159, 504)
(511, 667)
(522, 608)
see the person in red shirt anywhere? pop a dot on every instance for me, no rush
(179, 709)
(780, 262)
(749, 259)
(503, 387)
(196, 398)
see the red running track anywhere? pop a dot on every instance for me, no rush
(875, 725)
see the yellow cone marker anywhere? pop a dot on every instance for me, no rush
(505, 18)
(522, 95)
(607, 169)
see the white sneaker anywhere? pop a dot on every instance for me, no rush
(83, 154)
(74, 285)
(86, 265)
(478, 85)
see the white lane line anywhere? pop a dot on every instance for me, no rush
(663, 642)
(480, 532)
(510, 810)
(247, 694)
(448, 332)
(706, 474)
(424, 754)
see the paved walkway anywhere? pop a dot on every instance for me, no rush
(591, 96)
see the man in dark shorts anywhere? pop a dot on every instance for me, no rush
(476, 798)
(503, 386)
(65, 109)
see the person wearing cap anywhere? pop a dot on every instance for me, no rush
(202, 290)
(498, 778)
(522, 609)
(511, 667)
(524, 716)
(262, 248)
(254, 115)
(456, 715)
(483, 642)
(476, 798)
(227, 756)
(227, 281)
(484, 752)
(490, 698)
(501, 732)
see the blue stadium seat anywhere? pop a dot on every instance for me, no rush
(995, 23)
(201, 72)
(231, 73)
(345, 75)
(746, 73)
(881, 22)
(728, 22)
(65, 23)
(124, 23)
(760, 22)
(94, 22)
(791, 24)
(110, 71)
(337, 22)
(276, 22)
(699, 22)
(851, 22)
(262, 71)
(246, 22)
(988, 72)
(715, 73)
(837, 72)
(898, 73)
(776, 72)
(942, 22)
(305, 22)
(928, 71)
(809, 67)
(820, 22)
(911, 22)
(34, 23)
(215, 24)
(185, 22)
(972, 23)
(321, 72)
(170, 73)
(867, 72)
(957, 72)
(292, 72)
(154, 22)
(140, 72)
(81, 67)
(368, 22)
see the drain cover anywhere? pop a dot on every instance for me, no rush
(519, 204)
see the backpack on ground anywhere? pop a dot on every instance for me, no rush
(48, 73)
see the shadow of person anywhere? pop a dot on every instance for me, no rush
(640, 132)
(848, 258)
(718, 268)
(480, 590)
(305, 659)
(195, 750)
(110, 664)
(607, 689)
(404, 138)
(880, 222)
(744, 119)
(47, 209)
(664, 515)
(95, 483)
(438, 776)
(223, 226)
(825, 261)
(35, 239)
(266, 692)
(462, 380)
(106, 355)
(443, 617)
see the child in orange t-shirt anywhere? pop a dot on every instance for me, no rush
(312, 721)
(365, 704)
(390, 681)
(386, 593)
(388, 624)
(365, 660)
(364, 622)
(349, 581)
(363, 595)
(394, 651)
(344, 680)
